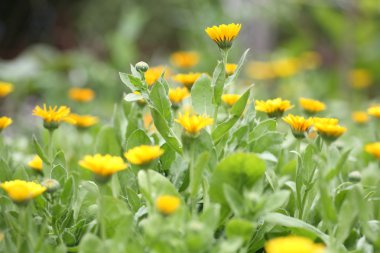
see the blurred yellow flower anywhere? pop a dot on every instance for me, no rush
(187, 79)
(292, 244)
(311, 106)
(53, 116)
(81, 94)
(273, 107)
(373, 149)
(21, 191)
(360, 78)
(36, 163)
(193, 124)
(260, 70)
(285, 67)
(5, 122)
(230, 99)
(360, 117)
(5, 88)
(103, 165)
(154, 73)
(143, 154)
(167, 204)
(148, 122)
(83, 121)
(178, 94)
(326, 121)
(230, 68)
(374, 111)
(329, 132)
(298, 124)
(310, 60)
(223, 35)
(184, 59)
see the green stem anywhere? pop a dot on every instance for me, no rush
(50, 146)
(224, 60)
(101, 223)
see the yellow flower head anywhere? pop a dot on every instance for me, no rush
(144, 154)
(187, 79)
(329, 132)
(360, 117)
(154, 73)
(5, 122)
(285, 67)
(310, 60)
(21, 191)
(183, 59)
(167, 204)
(5, 88)
(83, 121)
(223, 35)
(325, 121)
(298, 124)
(292, 244)
(360, 78)
(312, 106)
(260, 70)
(273, 107)
(36, 163)
(103, 165)
(53, 116)
(178, 94)
(230, 68)
(81, 95)
(193, 123)
(373, 149)
(374, 111)
(230, 99)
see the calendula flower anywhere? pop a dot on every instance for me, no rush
(360, 78)
(183, 59)
(329, 132)
(285, 67)
(373, 149)
(167, 204)
(5, 88)
(298, 124)
(310, 60)
(53, 116)
(260, 70)
(230, 68)
(230, 99)
(83, 121)
(178, 94)
(5, 122)
(311, 106)
(273, 107)
(223, 35)
(374, 111)
(148, 122)
(143, 155)
(36, 163)
(81, 95)
(187, 79)
(325, 121)
(293, 244)
(154, 73)
(22, 191)
(360, 117)
(193, 124)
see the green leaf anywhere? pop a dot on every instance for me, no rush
(201, 95)
(167, 157)
(137, 138)
(131, 97)
(234, 200)
(161, 102)
(5, 171)
(196, 173)
(91, 244)
(68, 192)
(262, 128)
(238, 108)
(218, 79)
(136, 82)
(40, 152)
(238, 227)
(107, 142)
(59, 173)
(233, 77)
(133, 199)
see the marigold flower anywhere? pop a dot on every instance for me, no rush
(360, 117)
(103, 166)
(81, 95)
(167, 204)
(374, 111)
(5, 122)
(230, 68)
(5, 88)
(230, 99)
(293, 244)
(53, 116)
(36, 163)
(223, 35)
(193, 124)
(329, 132)
(285, 67)
(260, 70)
(183, 59)
(83, 121)
(360, 78)
(187, 79)
(154, 73)
(312, 106)
(298, 124)
(325, 121)
(373, 149)
(273, 107)
(178, 94)
(144, 154)
(22, 191)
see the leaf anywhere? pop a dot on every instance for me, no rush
(168, 157)
(238, 108)
(91, 244)
(68, 191)
(238, 227)
(233, 77)
(137, 138)
(107, 142)
(136, 82)
(131, 97)
(262, 128)
(59, 173)
(40, 152)
(161, 101)
(201, 95)
(196, 173)
(234, 200)
(133, 199)
(218, 79)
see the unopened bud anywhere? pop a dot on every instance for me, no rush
(354, 176)
(142, 66)
(51, 185)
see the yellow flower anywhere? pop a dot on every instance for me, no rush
(36, 163)
(230, 99)
(374, 111)
(81, 95)
(285, 67)
(329, 132)
(373, 149)
(187, 79)
(5, 88)
(53, 116)
(144, 154)
(5, 122)
(360, 117)
(273, 107)
(21, 191)
(292, 244)
(103, 165)
(230, 68)
(83, 121)
(178, 94)
(223, 35)
(193, 124)
(312, 106)
(360, 78)
(183, 59)
(260, 70)
(148, 122)
(299, 125)
(154, 73)
(326, 121)
(310, 60)
(167, 204)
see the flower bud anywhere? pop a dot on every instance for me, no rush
(354, 177)
(51, 185)
(141, 66)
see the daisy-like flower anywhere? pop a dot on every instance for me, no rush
(274, 108)
(5, 88)
(292, 244)
(260, 70)
(285, 67)
(83, 121)
(177, 95)
(193, 124)
(187, 79)
(325, 121)
(299, 125)
(230, 99)
(360, 78)
(22, 191)
(360, 117)
(329, 132)
(4, 123)
(53, 116)
(374, 111)
(373, 149)
(184, 59)
(167, 204)
(82, 95)
(36, 163)
(230, 68)
(311, 106)
(143, 155)
(154, 73)
(223, 35)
